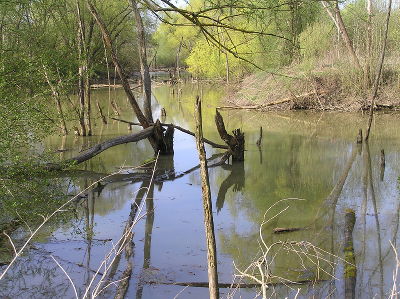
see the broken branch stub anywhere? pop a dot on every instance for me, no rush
(235, 142)
(164, 140)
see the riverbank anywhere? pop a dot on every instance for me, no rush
(324, 89)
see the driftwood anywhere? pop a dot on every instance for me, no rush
(281, 101)
(235, 142)
(205, 140)
(99, 148)
(254, 107)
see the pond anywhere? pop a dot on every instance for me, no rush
(311, 159)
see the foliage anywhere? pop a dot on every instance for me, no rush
(316, 40)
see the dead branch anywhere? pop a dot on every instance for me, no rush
(205, 140)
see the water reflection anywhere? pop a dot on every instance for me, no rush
(236, 178)
(304, 155)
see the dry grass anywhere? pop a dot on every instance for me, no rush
(261, 270)
(327, 86)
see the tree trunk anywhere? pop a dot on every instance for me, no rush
(81, 70)
(103, 118)
(227, 67)
(56, 96)
(178, 53)
(88, 103)
(144, 68)
(162, 143)
(379, 71)
(369, 45)
(125, 84)
(336, 16)
(207, 207)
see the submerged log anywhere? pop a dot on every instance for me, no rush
(350, 269)
(232, 285)
(235, 142)
(99, 148)
(280, 230)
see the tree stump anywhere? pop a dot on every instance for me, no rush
(164, 140)
(235, 142)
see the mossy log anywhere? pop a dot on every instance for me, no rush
(350, 269)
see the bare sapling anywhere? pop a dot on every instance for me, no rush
(379, 72)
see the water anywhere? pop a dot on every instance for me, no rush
(303, 155)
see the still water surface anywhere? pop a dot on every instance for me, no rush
(304, 155)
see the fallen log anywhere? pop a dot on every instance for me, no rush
(205, 140)
(255, 107)
(280, 230)
(293, 98)
(99, 148)
(234, 285)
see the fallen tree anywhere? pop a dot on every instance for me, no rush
(99, 148)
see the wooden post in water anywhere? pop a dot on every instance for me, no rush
(207, 206)
(350, 269)
(260, 138)
(383, 164)
(359, 136)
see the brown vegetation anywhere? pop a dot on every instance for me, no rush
(325, 90)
